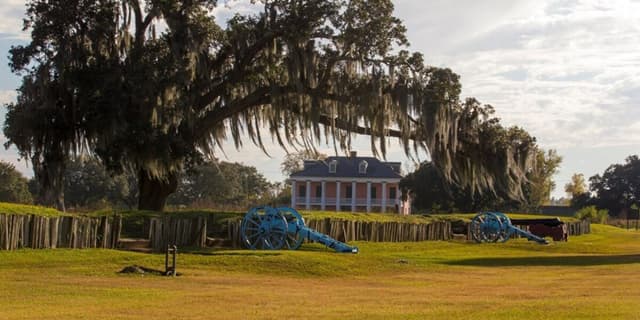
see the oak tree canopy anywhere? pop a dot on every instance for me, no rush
(159, 85)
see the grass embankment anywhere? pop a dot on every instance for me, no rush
(590, 277)
(11, 208)
(23, 209)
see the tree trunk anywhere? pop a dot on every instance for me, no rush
(49, 175)
(154, 191)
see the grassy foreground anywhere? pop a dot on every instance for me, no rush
(591, 277)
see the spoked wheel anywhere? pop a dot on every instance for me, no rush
(486, 227)
(295, 223)
(263, 228)
(505, 233)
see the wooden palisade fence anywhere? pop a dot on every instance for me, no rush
(170, 230)
(348, 230)
(38, 232)
(31, 231)
(578, 227)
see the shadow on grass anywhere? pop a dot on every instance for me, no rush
(595, 260)
(247, 252)
(231, 252)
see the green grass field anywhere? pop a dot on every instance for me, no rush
(593, 276)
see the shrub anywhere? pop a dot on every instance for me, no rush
(13, 186)
(592, 213)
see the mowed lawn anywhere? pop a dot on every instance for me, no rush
(595, 276)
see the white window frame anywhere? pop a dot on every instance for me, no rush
(333, 166)
(362, 167)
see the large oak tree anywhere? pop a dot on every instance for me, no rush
(156, 86)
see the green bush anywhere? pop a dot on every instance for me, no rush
(14, 187)
(592, 213)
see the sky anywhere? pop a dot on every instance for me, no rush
(566, 71)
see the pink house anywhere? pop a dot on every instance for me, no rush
(348, 184)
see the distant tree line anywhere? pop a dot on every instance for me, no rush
(616, 190)
(88, 185)
(431, 191)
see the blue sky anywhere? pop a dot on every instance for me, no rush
(567, 71)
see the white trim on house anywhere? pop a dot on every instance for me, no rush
(335, 200)
(345, 179)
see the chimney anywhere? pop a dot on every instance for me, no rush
(354, 154)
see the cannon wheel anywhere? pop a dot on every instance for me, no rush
(505, 222)
(295, 223)
(263, 228)
(486, 227)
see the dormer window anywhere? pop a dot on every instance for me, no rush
(333, 165)
(362, 167)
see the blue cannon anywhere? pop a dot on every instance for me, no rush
(269, 228)
(497, 227)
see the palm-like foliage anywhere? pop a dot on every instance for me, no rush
(307, 70)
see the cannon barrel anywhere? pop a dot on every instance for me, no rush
(551, 222)
(332, 243)
(271, 228)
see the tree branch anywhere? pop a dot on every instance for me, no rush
(239, 69)
(258, 97)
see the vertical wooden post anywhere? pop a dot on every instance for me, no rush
(171, 249)
(3, 231)
(173, 264)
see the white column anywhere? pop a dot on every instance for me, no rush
(384, 198)
(308, 197)
(353, 196)
(338, 193)
(322, 196)
(293, 194)
(368, 196)
(399, 201)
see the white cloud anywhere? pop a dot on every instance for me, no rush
(227, 9)
(564, 70)
(7, 96)
(11, 15)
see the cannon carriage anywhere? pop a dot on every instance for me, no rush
(269, 228)
(497, 227)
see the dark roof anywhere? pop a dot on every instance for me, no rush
(347, 167)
